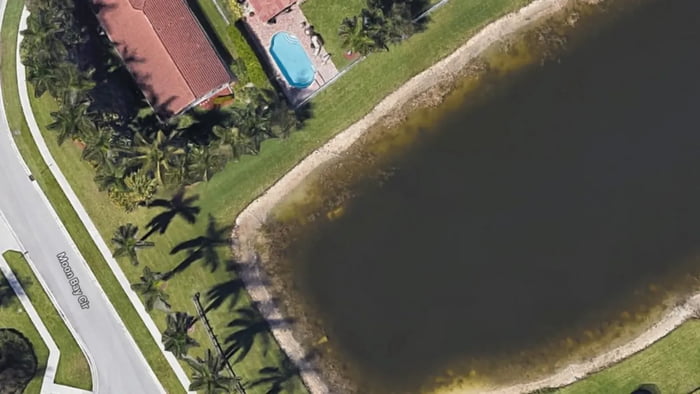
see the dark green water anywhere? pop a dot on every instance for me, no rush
(553, 207)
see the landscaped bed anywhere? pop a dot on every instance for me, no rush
(13, 317)
(73, 369)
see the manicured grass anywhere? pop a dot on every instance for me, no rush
(182, 286)
(671, 364)
(43, 176)
(231, 190)
(13, 316)
(326, 16)
(73, 369)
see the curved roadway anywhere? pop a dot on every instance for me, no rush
(116, 363)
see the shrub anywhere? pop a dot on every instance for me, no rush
(249, 64)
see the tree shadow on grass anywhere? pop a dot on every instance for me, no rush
(228, 292)
(7, 294)
(178, 205)
(275, 378)
(250, 327)
(205, 248)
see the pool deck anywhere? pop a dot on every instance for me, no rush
(291, 22)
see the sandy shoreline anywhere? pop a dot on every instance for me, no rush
(573, 372)
(249, 222)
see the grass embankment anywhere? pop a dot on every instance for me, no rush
(51, 188)
(231, 190)
(12, 315)
(73, 369)
(670, 364)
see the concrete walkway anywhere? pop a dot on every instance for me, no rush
(82, 213)
(48, 385)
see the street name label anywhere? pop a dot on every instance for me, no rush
(73, 280)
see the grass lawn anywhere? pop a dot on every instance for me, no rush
(13, 315)
(671, 364)
(63, 208)
(231, 190)
(73, 369)
(325, 16)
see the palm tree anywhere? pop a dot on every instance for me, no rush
(156, 155)
(264, 114)
(41, 43)
(355, 37)
(276, 377)
(208, 377)
(72, 121)
(175, 337)
(237, 142)
(110, 176)
(141, 186)
(400, 23)
(205, 246)
(98, 146)
(203, 162)
(150, 289)
(178, 205)
(126, 243)
(43, 78)
(73, 84)
(252, 119)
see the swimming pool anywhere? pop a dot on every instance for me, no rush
(292, 60)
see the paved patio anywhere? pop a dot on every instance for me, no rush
(290, 21)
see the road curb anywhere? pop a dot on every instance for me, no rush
(87, 222)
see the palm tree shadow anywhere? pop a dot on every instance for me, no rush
(250, 327)
(275, 377)
(229, 291)
(204, 247)
(219, 294)
(178, 205)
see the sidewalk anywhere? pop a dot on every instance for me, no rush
(82, 213)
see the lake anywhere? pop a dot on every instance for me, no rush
(528, 221)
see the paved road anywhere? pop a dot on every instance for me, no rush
(118, 366)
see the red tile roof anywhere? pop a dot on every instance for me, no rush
(267, 9)
(165, 49)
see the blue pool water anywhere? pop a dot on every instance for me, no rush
(292, 60)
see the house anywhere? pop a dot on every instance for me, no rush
(267, 10)
(167, 52)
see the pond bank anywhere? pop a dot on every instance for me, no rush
(437, 81)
